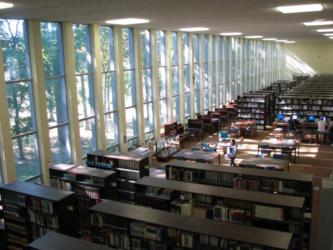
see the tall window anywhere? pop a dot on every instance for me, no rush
(147, 84)
(162, 78)
(206, 72)
(109, 88)
(130, 90)
(213, 72)
(233, 68)
(55, 87)
(239, 79)
(20, 98)
(196, 73)
(1, 178)
(221, 65)
(187, 77)
(84, 84)
(175, 77)
(227, 67)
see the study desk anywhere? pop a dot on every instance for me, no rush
(287, 144)
(265, 163)
(245, 125)
(194, 155)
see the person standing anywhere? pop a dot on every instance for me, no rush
(231, 152)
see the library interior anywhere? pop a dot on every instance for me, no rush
(166, 125)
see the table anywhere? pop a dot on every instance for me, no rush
(200, 156)
(265, 163)
(244, 125)
(220, 146)
(289, 144)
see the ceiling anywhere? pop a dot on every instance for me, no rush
(252, 17)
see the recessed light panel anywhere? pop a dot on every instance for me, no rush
(281, 41)
(325, 30)
(4, 5)
(318, 23)
(269, 39)
(127, 21)
(231, 34)
(194, 29)
(289, 42)
(328, 34)
(288, 9)
(253, 37)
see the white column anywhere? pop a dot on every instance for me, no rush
(192, 87)
(231, 40)
(97, 85)
(210, 70)
(224, 70)
(155, 85)
(37, 72)
(217, 70)
(6, 144)
(69, 64)
(202, 78)
(120, 89)
(236, 66)
(139, 86)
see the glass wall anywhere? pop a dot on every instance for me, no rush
(206, 78)
(147, 84)
(56, 95)
(186, 75)
(221, 66)
(175, 75)
(109, 88)
(130, 88)
(233, 68)
(20, 98)
(214, 72)
(84, 85)
(196, 77)
(161, 50)
(227, 68)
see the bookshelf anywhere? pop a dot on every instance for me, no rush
(90, 186)
(254, 106)
(57, 241)
(127, 226)
(31, 210)
(129, 167)
(257, 209)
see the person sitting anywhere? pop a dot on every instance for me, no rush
(231, 152)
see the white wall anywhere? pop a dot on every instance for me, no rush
(309, 58)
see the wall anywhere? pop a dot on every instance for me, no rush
(309, 58)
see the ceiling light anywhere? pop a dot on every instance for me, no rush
(318, 23)
(269, 39)
(254, 37)
(281, 41)
(325, 30)
(300, 8)
(194, 29)
(328, 34)
(231, 34)
(289, 42)
(4, 5)
(331, 37)
(127, 21)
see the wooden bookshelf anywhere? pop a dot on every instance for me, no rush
(90, 186)
(271, 211)
(254, 106)
(31, 210)
(129, 167)
(57, 241)
(140, 227)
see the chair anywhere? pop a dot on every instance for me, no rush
(265, 150)
(234, 132)
(223, 136)
(207, 148)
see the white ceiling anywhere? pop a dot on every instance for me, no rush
(252, 17)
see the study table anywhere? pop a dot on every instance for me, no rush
(194, 155)
(246, 125)
(293, 146)
(265, 163)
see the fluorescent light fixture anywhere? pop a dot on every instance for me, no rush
(325, 30)
(127, 21)
(254, 37)
(328, 34)
(4, 5)
(194, 29)
(289, 42)
(318, 23)
(288, 9)
(269, 39)
(281, 41)
(231, 34)
(331, 37)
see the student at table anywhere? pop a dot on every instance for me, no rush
(322, 128)
(231, 152)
